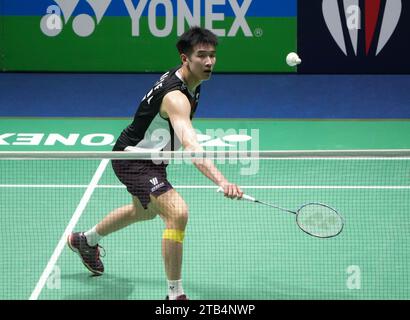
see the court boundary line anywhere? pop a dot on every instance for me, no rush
(102, 186)
(70, 227)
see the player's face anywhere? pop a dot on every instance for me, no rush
(202, 61)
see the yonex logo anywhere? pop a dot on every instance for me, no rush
(84, 25)
(212, 138)
(385, 13)
(154, 181)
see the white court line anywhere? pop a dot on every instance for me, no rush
(51, 186)
(70, 227)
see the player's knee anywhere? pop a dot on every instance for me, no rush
(179, 217)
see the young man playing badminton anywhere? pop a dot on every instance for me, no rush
(169, 105)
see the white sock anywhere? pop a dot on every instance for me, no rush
(175, 289)
(92, 237)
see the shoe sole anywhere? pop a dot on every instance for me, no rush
(95, 272)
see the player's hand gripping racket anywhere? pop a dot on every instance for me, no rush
(316, 219)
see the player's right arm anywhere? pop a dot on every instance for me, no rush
(177, 107)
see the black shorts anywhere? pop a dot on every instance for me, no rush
(142, 178)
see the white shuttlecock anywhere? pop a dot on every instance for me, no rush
(293, 59)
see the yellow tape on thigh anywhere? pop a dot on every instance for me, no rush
(173, 234)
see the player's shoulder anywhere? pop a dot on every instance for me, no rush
(175, 97)
(175, 103)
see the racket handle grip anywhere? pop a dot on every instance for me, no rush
(244, 196)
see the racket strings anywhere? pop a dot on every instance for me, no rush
(319, 220)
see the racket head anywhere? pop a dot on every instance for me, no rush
(319, 220)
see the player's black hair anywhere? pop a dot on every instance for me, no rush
(192, 37)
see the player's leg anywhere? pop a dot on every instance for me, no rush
(123, 217)
(85, 244)
(174, 211)
(131, 174)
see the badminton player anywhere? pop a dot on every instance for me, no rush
(168, 107)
